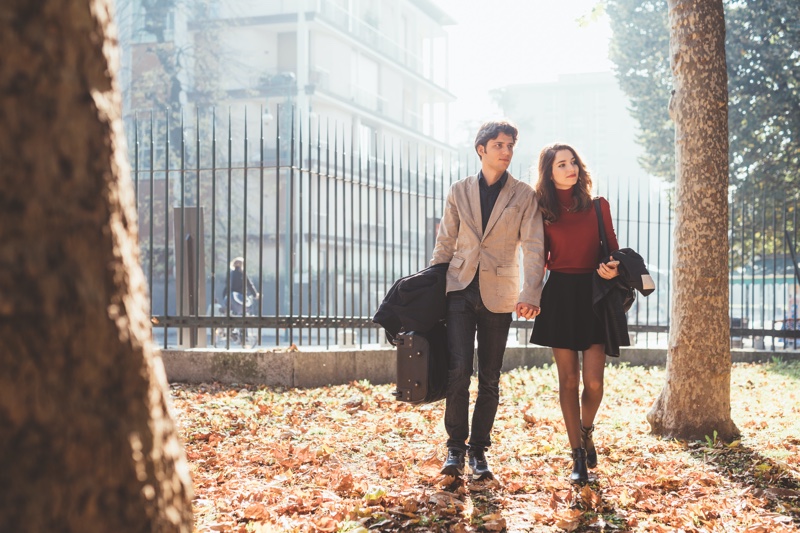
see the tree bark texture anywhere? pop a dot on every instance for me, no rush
(695, 401)
(87, 442)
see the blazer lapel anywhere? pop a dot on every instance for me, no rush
(502, 201)
(474, 194)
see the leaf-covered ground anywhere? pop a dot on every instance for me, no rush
(352, 459)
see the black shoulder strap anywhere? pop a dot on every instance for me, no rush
(602, 228)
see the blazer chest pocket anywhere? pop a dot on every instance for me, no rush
(510, 214)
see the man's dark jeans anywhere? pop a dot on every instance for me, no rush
(466, 314)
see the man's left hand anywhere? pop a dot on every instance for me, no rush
(527, 311)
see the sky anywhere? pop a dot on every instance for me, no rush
(507, 42)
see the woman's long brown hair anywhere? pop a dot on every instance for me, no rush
(546, 188)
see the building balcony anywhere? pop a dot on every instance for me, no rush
(367, 33)
(284, 14)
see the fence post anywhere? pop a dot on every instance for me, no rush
(191, 280)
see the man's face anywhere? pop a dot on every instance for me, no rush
(497, 154)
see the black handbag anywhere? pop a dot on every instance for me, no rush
(628, 294)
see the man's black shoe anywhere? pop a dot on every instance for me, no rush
(454, 464)
(479, 465)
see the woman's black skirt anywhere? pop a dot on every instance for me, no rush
(567, 319)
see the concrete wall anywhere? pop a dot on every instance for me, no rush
(310, 368)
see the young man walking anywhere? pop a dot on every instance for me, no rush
(487, 219)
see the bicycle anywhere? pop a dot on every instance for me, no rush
(238, 335)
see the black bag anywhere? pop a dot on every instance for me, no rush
(629, 295)
(422, 365)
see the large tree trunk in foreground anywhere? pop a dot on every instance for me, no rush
(87, 443)
(695, 401)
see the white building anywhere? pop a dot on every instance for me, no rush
(328, 221)
(379, 66)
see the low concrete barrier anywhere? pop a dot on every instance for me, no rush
(315, 367)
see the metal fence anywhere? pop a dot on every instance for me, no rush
(326, 216)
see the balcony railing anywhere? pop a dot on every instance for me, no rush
(368, 34)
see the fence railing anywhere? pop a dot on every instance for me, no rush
(325, 221)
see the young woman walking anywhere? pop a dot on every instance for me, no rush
(567, 322)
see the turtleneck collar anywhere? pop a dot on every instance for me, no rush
(565, 199)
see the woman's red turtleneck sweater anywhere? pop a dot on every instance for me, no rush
(572, 243)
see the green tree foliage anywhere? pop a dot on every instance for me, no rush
(763, 47)
(763, 61)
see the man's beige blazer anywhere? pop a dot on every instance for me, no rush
(515, 224)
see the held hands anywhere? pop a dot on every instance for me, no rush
(608, 270)
(527, 311)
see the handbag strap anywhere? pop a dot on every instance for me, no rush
(602, 228)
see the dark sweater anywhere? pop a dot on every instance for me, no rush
(238, 282)
(572, 243)
(489, 194)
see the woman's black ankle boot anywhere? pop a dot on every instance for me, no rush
(588, 445)
(579, 473)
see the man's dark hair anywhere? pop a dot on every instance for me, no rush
(490, 130)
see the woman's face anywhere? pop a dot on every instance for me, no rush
(565, 170)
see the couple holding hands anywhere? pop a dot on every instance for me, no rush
(487, 219)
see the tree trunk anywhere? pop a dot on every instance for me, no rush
(695, 401)
(87, 442)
